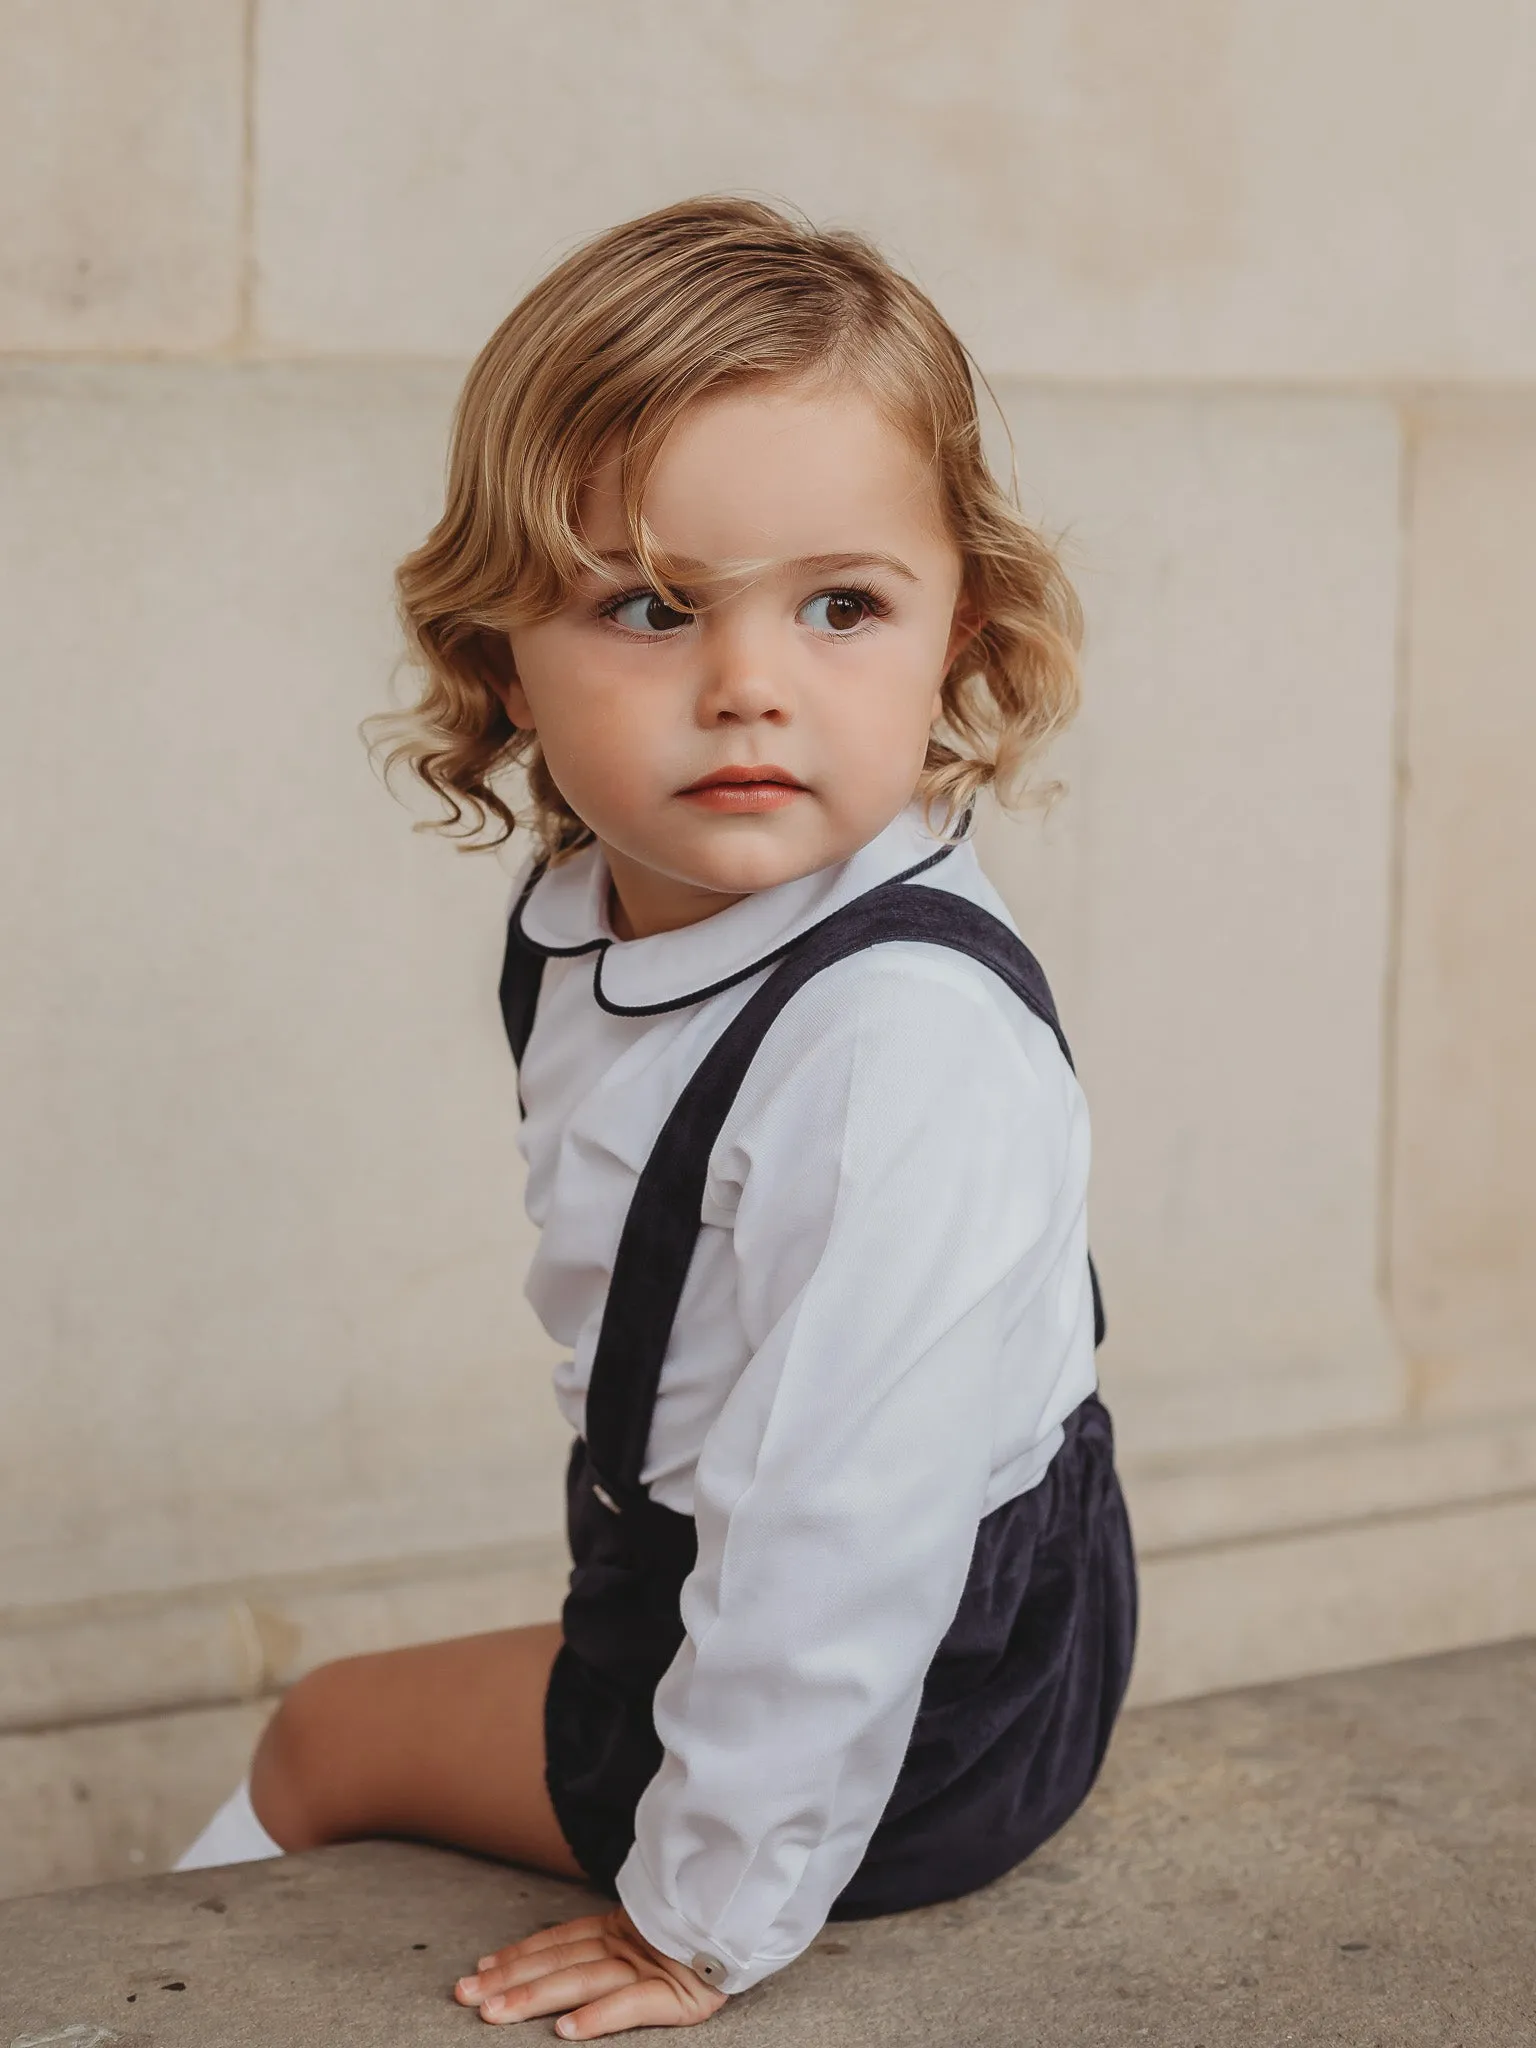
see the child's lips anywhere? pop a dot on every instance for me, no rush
(743, 796)
(763, 788)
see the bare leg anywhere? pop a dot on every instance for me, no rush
(442, 1743)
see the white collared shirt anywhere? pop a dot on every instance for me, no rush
(886, 1320)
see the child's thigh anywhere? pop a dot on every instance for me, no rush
(443, 1742)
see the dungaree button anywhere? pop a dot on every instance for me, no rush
(710, 1968)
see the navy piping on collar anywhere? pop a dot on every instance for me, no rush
(715, 988)
(600, 946)
(537, 874)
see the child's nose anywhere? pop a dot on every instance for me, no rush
(742, 681)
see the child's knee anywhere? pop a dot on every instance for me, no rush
(297, 1775)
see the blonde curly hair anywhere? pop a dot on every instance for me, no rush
(613, 345)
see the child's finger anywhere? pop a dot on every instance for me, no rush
(567, 1930)
(514, 1969)
(560, 1991)
(653, 2002)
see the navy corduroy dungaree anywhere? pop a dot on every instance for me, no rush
(1020, 1697)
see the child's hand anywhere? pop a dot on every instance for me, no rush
(601, 1972)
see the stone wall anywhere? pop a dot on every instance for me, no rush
(1253, 286)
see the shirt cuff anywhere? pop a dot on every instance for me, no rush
(666, 1929)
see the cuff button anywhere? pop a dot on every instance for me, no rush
(710, 1968)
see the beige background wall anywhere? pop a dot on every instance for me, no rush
(1255, 287)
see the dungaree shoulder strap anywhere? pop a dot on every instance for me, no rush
(662, 1224)
(522, 975)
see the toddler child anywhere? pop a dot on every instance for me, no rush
(724, 572)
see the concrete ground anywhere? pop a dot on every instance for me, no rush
(1346, 1860)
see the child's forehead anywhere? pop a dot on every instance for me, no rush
(783, 472)
(778, 423)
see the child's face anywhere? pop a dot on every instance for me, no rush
(824, 609)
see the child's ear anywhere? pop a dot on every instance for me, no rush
(967, 623)
(493, 659)
(964, 627)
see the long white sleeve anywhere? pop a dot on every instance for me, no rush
(895, 1163)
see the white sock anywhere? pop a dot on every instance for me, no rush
(234, 1835)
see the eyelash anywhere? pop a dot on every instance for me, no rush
(879, 608)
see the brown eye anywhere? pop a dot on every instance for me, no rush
(645, 612)
(837, 611)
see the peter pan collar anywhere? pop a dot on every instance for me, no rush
(564, 911)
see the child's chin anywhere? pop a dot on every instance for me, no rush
(750, 854)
